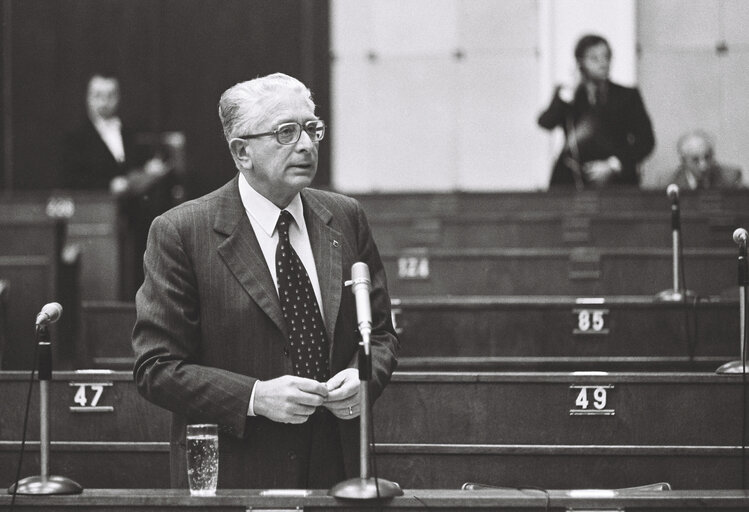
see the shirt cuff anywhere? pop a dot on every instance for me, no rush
(614, 164)
(251, 408)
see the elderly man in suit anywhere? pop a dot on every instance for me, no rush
(224, 336)
(607, 129)
(698, 169)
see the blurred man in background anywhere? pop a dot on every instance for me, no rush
(103, 154)
(607, 129)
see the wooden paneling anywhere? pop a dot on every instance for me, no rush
(174, 59)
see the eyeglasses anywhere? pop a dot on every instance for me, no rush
(289, 133)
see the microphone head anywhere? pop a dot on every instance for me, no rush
(50, 313)
(740, 236)
(673, 192)
(360, 272)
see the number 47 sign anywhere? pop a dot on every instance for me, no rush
(88, 395)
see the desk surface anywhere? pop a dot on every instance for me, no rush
(525, 499)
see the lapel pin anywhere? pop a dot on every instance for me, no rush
(335, 243)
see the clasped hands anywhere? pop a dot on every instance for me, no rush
(599, 172)
(291, 399)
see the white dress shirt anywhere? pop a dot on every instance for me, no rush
(263, 216)
(110, 131)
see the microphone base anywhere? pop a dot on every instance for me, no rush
(52, 484)
(365, 489)
(674, 295)
(733, 367)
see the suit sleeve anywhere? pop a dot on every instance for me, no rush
(555, 114)
(384, 341)
(641, 137)
(166, 341)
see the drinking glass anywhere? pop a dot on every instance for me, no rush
(202, 459)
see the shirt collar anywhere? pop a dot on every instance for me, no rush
(112, 122)
(265, 212)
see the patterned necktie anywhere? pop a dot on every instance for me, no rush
(308, 342)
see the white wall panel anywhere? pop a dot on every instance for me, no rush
(679, 89)
(491, 26)
(499, 145)
(678, 23)
(414, 27)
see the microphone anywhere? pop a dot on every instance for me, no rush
(673, 194)
(49, 314)
(361, 286)
(740, 236)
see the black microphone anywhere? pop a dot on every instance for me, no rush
(361, 286)
(49, 314)
(673, 194)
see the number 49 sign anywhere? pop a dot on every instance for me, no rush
(593, 400)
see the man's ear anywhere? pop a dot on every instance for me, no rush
(239, 151)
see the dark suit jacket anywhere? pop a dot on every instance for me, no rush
(87, 163)
(618, 126)
(209, 324)
(717, 176)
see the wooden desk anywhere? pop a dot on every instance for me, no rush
(583, 272)
(506, 333)
(92, 225)
(575, 333)
(158, 500)
(527, 228)
(31, 265)
(592, 202)
(433, 430)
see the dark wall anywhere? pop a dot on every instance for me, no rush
(174, 59)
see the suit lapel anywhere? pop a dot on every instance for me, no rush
(326, 245)
(242, 254)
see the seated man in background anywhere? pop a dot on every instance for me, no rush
(103, 154)
(607, 129)
(698, 168)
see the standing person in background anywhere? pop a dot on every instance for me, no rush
(698, 168)
(101, 151)
(607, 129)
(217, 337)
(102, 154)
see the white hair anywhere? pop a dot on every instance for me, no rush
(242, 105)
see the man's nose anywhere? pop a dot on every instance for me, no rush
(305, 141)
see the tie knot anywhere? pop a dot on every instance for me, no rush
(284, 221)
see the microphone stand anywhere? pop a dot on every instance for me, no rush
(44, 483)
(741, 365)
(365, 487)
(677, 294)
